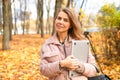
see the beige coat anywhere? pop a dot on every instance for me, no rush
(52, 52)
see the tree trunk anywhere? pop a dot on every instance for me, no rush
(15, 18)
(58, 5)
(1, 26)
(40, 13)
(5, 44)
(37, 21)
(48, 16)
(10, 20)
(24, 18)
(68, 3)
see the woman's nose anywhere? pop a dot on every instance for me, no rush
(61, 21)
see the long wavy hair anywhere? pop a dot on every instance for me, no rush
(75, 31)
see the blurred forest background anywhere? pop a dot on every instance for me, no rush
(26, 24)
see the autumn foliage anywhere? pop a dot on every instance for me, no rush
(107, 55)
(22, 61)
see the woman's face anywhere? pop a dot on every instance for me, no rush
(62, 22)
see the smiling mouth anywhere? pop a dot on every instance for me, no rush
(59, 26)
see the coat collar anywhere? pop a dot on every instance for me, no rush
(54, 39)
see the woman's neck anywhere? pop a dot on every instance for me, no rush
(61, 37)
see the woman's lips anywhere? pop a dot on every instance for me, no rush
(59, 26)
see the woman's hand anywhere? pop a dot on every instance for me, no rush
(70, 62)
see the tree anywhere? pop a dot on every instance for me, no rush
(24, 16)
(15, 19)
(116, 19)
(5, 4)
(0, 11)
(110, 21)
(40, 16)
(48, 15)
(1, 26)
(81, 13)
(58, 5)
(10, 20)
(23, 5)
(108, 17)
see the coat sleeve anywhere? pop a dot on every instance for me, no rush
(48, 69)
(90, 69)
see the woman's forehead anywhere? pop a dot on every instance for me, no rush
(63, 14)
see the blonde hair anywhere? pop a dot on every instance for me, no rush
(75, 31)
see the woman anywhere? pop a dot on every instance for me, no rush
(56, 58)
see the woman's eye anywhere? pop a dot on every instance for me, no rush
(66, 20)
(59, 18)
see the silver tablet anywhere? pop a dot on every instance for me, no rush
(80, 49)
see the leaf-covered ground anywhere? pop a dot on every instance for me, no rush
(21, 62)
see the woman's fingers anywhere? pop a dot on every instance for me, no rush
(71, 62)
